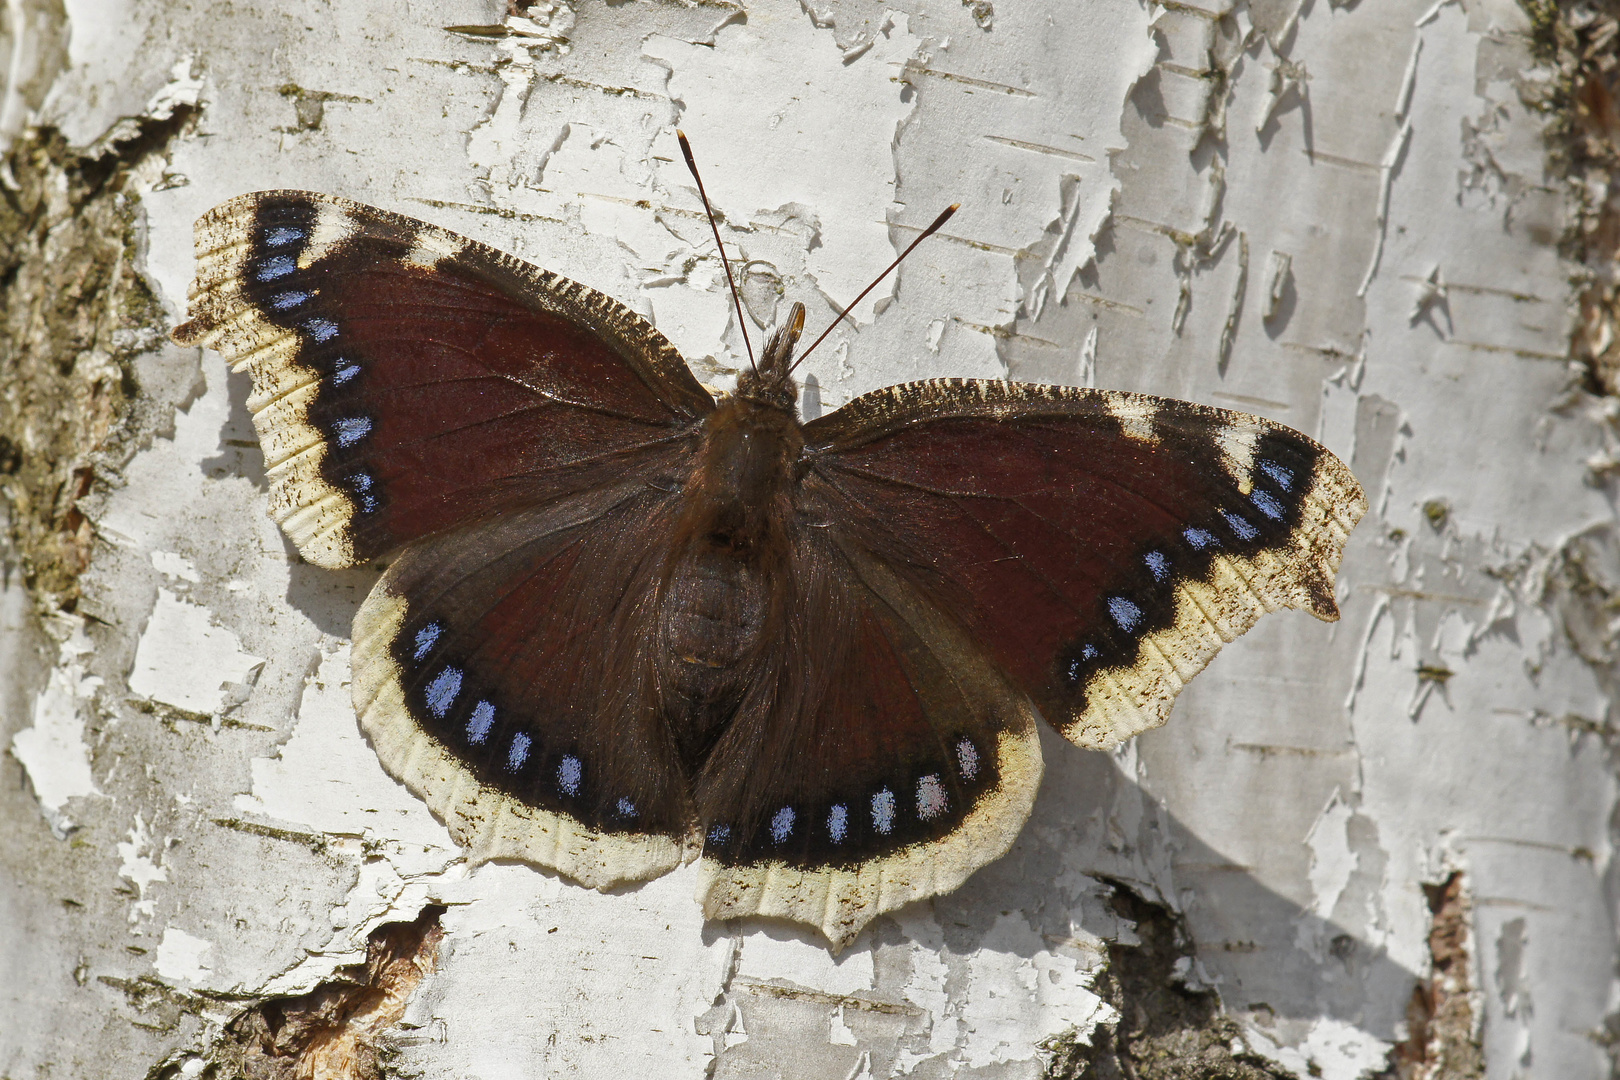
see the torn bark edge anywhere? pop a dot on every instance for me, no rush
(1582, 103)
(341, 1030)
(1443, 1024)
(1167, 1028)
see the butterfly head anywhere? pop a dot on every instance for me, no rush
(770, 383)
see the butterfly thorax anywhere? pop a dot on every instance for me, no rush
(729, 565)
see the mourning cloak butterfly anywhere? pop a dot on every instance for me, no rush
(627, 625)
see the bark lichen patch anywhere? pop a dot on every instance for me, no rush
(77, 312)
(1442, 1041)
(1577, 39)
(1166, 1031)
(339, 1030)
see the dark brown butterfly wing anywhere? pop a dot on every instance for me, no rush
(504, 672)
(515, 430)
(406, 379)
(1100, 546)
(881, 759)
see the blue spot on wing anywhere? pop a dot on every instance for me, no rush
(883, 811)
(569, 774)
(1241, 528)
(280, 266)
(282, 235)
(344, 374)
(1266, 504)
(479, 723)
(288, 300)
(442, 691)
(1283, 477)
(425, 638)
(1125, 613)
(625, 808)
(519, 752)
(838, 823)
(782, 825)
(1158, 564)
(351, 430)
(321, 329)
(1200, 539)
(719, 834)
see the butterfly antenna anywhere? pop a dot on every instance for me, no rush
(944, 216)
(736, 297)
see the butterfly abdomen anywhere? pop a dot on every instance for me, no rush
(726, 567)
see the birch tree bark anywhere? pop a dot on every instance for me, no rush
(1381, 847)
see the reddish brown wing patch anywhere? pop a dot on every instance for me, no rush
(407, 379)
(1101, 546)
(504, 673)
(881, 760)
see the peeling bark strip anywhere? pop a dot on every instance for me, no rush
(76, 313)
(1583, 100)
(1443, 1043)
(1166, 1030)
(338, 1031)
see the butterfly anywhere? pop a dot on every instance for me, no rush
(627, 624)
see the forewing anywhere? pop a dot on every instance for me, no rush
(503, 673)
(406, 379)
(880, 760)
(1100, 546)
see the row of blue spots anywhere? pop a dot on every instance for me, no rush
(441, 695)
(1128, 616)
(932, 801)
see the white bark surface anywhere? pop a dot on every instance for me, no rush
(1333, 216)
